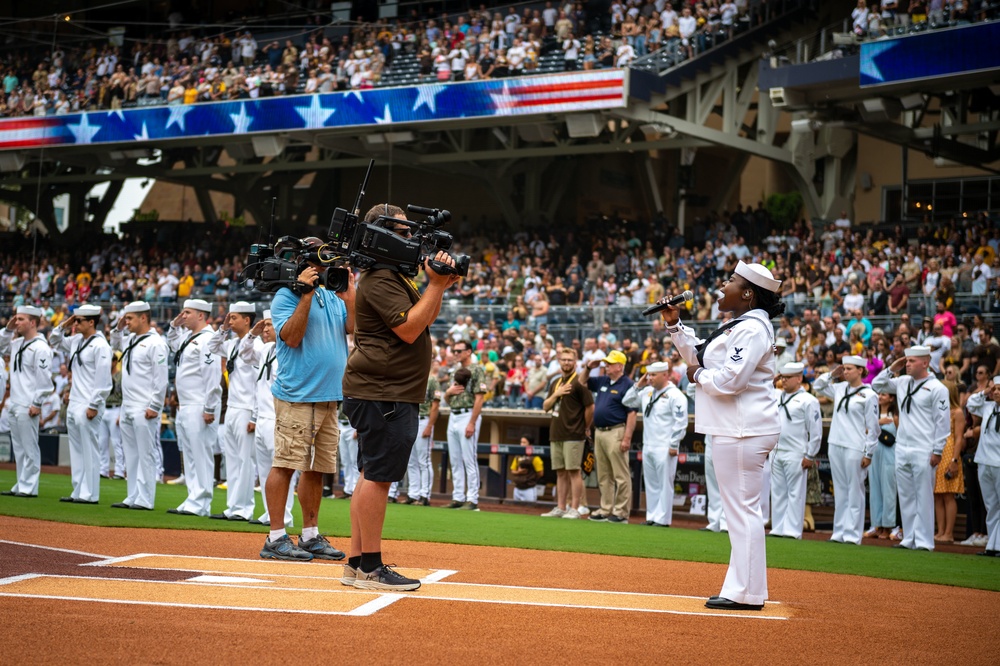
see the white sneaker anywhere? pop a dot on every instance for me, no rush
(982, 541)
(971, 541)
(556, 512)
(583, 510)
(896, 534)
(572, 514)
(179, 481)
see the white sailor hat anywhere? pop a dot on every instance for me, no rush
(759, 275)
(659, 366)
(918, 350)
(996, 380)
(88, 311)
(267, 314)
(242, 307)
(780, 342)
(198, 304)
(136, 306)
(30, 310)
(854, 360)
(792, 369)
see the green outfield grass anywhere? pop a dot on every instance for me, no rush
(486, 528)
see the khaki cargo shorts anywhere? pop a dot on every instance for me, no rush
(306, 436)
(566, 455)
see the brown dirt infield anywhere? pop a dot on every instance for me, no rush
(831, 618)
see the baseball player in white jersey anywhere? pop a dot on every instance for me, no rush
(257, 349)
(664, 424)
(924, 426)
(88, 357)
(199, 393)
(238, 437)
(30, 384)
(347, 453)
(986, 405)
(798, 445)
(854, 433)
(144, 387)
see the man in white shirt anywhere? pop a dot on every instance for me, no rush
(798, 445)
(238, 434)
(981, 275)
(940, 345)
(639, 289)
(664, 424)
(89, 360)
(144, 387)
(571, 52)
(842, 224)
(198, 380)
(30, 385)
(924, 426)
(687, 25)
(166, 286)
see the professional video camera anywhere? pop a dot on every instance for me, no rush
(360, 244)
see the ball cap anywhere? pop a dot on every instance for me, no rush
(792, 369)
(88, 311)
(29, 310)
(918, 350)
(854, 360)
(759, 275)
(136, 306)
(198, 304)
(616, 357)
(242, 307)
(659, 366)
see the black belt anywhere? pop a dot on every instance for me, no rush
(611, 427)
(461, 411)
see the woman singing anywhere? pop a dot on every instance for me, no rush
(735, 403)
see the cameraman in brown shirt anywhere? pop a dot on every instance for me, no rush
(385, 382)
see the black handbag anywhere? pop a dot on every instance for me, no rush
(886, 438)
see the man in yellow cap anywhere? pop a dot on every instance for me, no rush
(613, 426)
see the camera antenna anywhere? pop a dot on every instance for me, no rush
(270, 232)
(361, 190)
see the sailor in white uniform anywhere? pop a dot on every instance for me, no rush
(30, 385)
(257, 349)
(735, 403)
(199, 395)
(986, 405)
(664, 424)
(798, 445)
(347, 453)
(924, 426)
(144, 387)
(88, 358)
(854, 432)
(238, 438)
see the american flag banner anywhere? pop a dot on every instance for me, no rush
(430, 103)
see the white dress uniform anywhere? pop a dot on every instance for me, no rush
(800, 438)
(90, 362)
(924, 426)
(347, 453)
(144, 386)
(238, 444)
(715, 513)
(854, 432)
(664, 424)
(264, 361)
(419, 469)
(735, 403)
(30, 384)
(988, 460)
(199, 392)
(111, 431)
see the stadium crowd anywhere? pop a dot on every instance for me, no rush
(836, 282)
(191, 66)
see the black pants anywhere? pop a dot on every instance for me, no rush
(975, 510)
(386, 432)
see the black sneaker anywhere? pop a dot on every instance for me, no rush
(384, 578)
(424, 501)
(393, 500)
(65, 499)
(598, 517)
(616, 519)
(320, 548)
(455, 504)
(470, 506)
(283, 549)
(410, 500)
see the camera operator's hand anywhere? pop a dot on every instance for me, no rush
(445, 280)
(309, 276)
(348, 294)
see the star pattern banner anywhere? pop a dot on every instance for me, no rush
(526, 95)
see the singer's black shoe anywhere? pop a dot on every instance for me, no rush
(721, 603)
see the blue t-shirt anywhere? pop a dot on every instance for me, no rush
(313, 371)
(608, 407)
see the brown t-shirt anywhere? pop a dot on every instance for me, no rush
(382, 366)
(569, 421)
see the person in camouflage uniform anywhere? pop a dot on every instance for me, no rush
(466, 402)
(420, 471)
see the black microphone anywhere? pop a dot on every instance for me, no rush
(676, 300)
